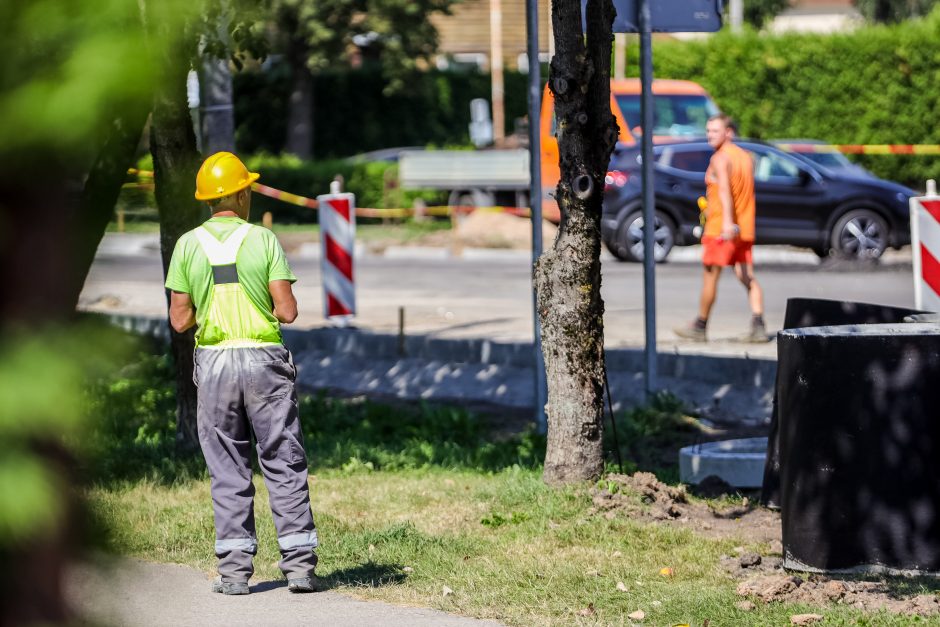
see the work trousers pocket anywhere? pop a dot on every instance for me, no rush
(272, 380)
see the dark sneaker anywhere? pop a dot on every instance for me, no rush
(302, 584)
(691, 332)
(758, 335)
(229, 587)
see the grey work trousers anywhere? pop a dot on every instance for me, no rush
(243, 390)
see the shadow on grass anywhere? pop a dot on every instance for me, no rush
(366, 575)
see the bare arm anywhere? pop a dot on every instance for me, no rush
(182, 312)
(723, 173)
(285, 305)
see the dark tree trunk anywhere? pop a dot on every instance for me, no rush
(54, 224)
(175, 162)
(568, 275)
(299, 140)
(102, 188)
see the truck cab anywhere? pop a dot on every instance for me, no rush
(680, 110)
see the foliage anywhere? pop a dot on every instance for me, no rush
(42, 421)
(648, 436)
(355, 115)
(394, 33)
(374, 183)
(758, 12)
(69, 67)
(134, 431)
(361, 436)
(874, 85)
(893, 10)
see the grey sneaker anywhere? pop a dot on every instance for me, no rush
(691, 332)
(229, 587)
(302, 584)
(758, 335)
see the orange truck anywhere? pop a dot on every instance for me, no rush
(501, 177)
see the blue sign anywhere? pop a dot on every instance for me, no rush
(667, 16)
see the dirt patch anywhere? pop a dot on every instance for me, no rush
(491, 229)
(642, 496)
(291, 242)
(618, 495)
(820, 591)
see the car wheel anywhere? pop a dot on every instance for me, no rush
(629, 240)
(860, 234)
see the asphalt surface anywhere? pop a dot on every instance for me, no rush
(488, 294)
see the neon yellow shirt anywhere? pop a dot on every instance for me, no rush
(260, 259)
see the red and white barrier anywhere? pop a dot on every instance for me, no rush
(338, 241)
(925, 248)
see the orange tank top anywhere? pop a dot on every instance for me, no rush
(742, 194)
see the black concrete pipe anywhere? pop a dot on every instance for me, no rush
(817, 312)
(859, 429)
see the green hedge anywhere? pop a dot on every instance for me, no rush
(874, 85)
(373, 183)
(352, 115)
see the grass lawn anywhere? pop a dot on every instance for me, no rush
(411, 502)
(509, 547)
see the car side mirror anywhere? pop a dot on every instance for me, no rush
(805, 177)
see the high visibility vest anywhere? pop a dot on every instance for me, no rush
(231, 318)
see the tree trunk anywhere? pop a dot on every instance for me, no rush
(299, 140)
(57, 222)
(568, 275)
(102, 188)
(175, 162)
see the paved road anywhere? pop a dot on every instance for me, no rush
(489, 295)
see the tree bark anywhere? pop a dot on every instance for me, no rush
(175, 162)
(56, 222)
(568, 277)
(102, 187)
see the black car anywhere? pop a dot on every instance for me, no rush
(798, 203)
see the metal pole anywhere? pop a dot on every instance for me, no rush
(736, 10)
(496, 70)
(535, 198)
(649, 196)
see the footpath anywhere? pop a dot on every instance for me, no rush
(144, 594)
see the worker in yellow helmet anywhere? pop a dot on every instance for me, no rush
(232, 280)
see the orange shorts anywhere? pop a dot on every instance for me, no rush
(722, 252)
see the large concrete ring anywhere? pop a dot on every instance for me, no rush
(738, 462)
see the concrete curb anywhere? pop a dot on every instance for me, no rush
(355, 361)
(133, 244)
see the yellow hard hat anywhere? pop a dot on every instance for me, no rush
(222, 174)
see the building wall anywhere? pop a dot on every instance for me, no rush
(467, 31)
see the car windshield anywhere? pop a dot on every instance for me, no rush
(828, 159)
(674, 116)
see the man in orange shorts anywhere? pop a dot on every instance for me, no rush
(729, 229)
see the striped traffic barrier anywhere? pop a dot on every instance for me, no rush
(338, 241)
(925, 248)
(866, 149)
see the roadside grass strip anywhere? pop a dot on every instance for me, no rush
(434, 506)
(491, 545)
